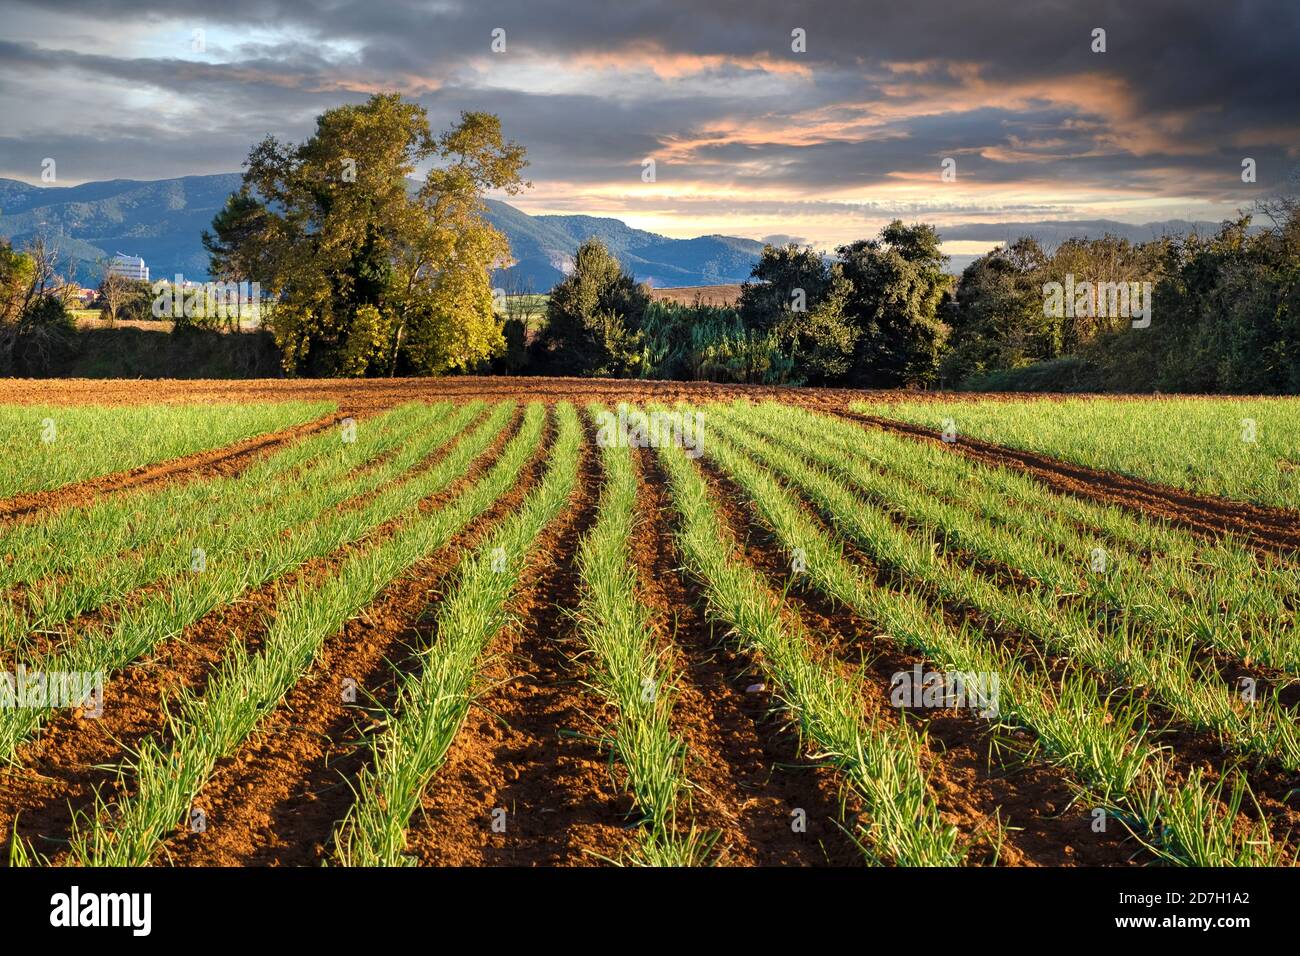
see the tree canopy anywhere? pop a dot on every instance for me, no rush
(372, 273)
(594, 317)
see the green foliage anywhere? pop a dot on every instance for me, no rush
(826, 340)
(996, 314)
(898, 285)
(1225, 314)
(371, 277)
(231, 242)
(122, 299)
(514, 358)
(791, 279)
(870, 318)
(16, 270)
(36, 328)
(709, 343)
(593, 318)
(1067, 374)
(45, 336)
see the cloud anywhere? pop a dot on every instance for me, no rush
(743, 129)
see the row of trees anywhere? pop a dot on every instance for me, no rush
(1224, 312)
(374, 273)
(1219, 313)
(870, 317)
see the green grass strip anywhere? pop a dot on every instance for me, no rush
(46, 446)
(165, 614)
(432, 704)
(881, 761)
(1080, 729)
(248, 686)
(65, 539)
(631, 669)
(241, 521)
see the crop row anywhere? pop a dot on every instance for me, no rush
(45, 446)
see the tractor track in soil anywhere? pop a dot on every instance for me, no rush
(1267, 529)
(226, 461)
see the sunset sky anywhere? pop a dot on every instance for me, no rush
(749, 137)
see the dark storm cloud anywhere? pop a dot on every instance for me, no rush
(1011, 91)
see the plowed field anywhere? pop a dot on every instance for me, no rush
(562, 622)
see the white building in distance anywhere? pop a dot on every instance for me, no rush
(129, 267)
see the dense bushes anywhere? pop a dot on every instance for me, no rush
(708, 343)
(1224, 314)
(870, 317)
(36, 328)
(1217, 313)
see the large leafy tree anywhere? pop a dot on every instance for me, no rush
(791, 281)
(594, 318)
(997, 316)
(230, 244)
(371, 275)
(899, 285)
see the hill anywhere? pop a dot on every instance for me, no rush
(163, 221)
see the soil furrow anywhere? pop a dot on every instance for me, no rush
(978, 773)
(1270, 529)
(75, 756)
(528, 758)
(276, 802)
(743, 758)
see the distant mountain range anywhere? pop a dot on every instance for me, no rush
(163, 220)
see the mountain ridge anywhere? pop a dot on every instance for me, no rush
(162, 220)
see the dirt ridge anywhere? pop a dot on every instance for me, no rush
(224, 461)
(1272, 529)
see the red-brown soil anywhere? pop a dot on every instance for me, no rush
(979, 775)
(715, 295)
(534, 743)
(530, 745)
(1268, 528)
(745, 766)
